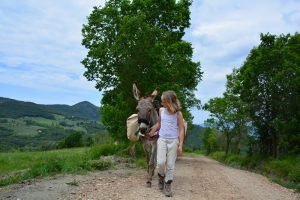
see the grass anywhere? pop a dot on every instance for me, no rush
(23, 160)
(19, 166)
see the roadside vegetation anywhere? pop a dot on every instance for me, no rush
(16, 167)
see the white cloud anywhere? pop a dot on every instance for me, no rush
(41, 43)
(42, 39)
(222, 34)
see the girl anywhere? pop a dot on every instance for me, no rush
(170, 141)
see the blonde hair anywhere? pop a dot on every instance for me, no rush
(172, 102)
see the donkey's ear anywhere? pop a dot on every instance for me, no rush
(136, 92)
(154, 93)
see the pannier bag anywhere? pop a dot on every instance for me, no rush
(132, 127)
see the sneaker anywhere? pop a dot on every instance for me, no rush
(167, 190)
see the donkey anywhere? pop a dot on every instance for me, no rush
(147, 117)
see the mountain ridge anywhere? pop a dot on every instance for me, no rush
(16, 108)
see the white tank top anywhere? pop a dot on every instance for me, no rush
(168, 124)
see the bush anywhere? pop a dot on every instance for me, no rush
(104, 150)
(294, 175)
(279, 168)
(73, 140)
(218, 156)
(235, 159)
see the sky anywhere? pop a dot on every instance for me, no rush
(41, 51)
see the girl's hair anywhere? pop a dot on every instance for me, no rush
(171, 100)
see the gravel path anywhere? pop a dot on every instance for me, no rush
(196, 178)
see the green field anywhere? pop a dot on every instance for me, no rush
(10, 162)
(18, 166)
(37, 133)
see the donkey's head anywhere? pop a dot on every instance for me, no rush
(147, 114)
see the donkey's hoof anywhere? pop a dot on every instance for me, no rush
(148, 184)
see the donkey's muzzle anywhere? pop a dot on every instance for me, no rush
(141, 120)
(143, 130)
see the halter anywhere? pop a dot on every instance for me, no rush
(141, 120)
(147, 122)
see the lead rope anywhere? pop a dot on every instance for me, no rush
(148, 130)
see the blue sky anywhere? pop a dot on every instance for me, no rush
(40, 45)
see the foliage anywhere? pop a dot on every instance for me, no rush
(210, 140)
(270, 88)
(228, 114)
(73, 140)
(287, 168)
(139, 41)
(261, 102)
(218, 155)
(106, 150)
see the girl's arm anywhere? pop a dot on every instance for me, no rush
(181, 133)
(156, 127)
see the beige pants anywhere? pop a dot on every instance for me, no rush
(166, 157)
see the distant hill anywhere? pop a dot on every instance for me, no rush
(11, 108)
(31, 126)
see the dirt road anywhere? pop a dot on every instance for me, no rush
(196, 178)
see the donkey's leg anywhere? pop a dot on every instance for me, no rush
(147, 150)
(152, 153)
(153, 158)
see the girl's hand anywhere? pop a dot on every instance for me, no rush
(179, 151)
(151, 133)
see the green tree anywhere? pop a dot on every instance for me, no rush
(73, 140)
(228, 113)
(210, 140)
(139, 41)
(220, 118)
(270, 88)
(236, 110)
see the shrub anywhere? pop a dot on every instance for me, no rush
(73, 140)
(280, 168)
(294, 175)
(218, 156)
(235, 159)
(104, 150)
